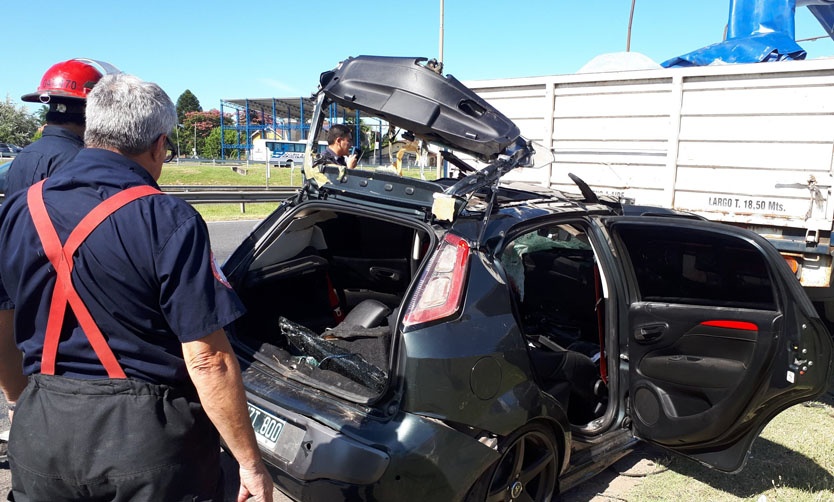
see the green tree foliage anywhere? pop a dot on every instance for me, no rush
(187, 103)
(231, 137)
(211, 147)
(199, 125)
(41, 114)
(17, 125)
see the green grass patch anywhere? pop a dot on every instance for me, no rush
(229, 212)
(792, 460)
(229, 174)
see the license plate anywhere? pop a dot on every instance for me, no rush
(267, 427)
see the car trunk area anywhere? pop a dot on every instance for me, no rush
(322, 297)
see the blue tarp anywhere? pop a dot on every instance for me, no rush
(757, 31)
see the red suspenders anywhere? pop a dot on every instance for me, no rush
(61, 258)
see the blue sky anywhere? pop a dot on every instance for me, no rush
(229, 50)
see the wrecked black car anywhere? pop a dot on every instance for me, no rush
(468, 339)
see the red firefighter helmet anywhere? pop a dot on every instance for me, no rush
(69, 81)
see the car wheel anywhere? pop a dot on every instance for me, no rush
(289, 164)
(527, 470)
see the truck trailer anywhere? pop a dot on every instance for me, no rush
(745, 144)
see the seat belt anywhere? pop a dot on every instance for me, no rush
(61, 258)
(333, 299)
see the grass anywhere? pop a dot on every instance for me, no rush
(190, 173)
(792, 460)
(193, 173)
(208, 174)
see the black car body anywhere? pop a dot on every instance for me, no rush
(500, 341)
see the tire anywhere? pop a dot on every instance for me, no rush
(528, 469)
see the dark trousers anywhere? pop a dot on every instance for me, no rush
(98, 440)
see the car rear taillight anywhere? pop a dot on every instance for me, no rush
(440, 290)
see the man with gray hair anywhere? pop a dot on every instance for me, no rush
(113, 307)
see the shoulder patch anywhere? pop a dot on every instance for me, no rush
(218, 273)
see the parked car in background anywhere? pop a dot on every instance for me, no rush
(9, 150)
(4, 170)
(467, 339)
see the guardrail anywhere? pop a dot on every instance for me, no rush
(206, 194)
(201, 194)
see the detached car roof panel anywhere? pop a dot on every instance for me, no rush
(409, 93)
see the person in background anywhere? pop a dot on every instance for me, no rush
(113, 353)
(63, 88)
(339, 141)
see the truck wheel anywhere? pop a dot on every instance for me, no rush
(528, 468)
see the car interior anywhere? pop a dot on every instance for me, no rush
(329, 286)
(557, 289)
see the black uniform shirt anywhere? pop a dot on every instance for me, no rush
(146, 274)
(39, 160)
(330, 157)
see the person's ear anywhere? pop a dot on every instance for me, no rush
(159, 149)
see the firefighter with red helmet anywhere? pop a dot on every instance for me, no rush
(63, 88)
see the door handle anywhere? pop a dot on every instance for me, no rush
(650, 332)
(385, 273)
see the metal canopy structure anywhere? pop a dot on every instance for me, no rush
(287, 118)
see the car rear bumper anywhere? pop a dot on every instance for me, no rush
(331, 452)
(308, 450)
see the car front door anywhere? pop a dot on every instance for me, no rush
(721, 337)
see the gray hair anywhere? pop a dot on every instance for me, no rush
(127, 114)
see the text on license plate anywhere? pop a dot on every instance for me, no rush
(267, 427)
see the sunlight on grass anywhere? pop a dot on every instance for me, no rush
(228, 212)
(243, 175)
(240, 175)
(792, 460)
(228, 175)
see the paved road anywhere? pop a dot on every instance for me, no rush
(226, 235)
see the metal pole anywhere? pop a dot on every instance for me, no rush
(195, 140)
(440, 56)
(223, 150)
(630, 19)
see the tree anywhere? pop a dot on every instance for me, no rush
(41, 114)
(230, 137)
(198, 125)
(212, 144)
(17, 125)
(187, 103)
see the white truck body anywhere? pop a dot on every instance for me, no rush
(747, 144)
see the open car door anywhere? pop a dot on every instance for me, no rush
(721, 337)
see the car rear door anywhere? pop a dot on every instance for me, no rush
(720, 336)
